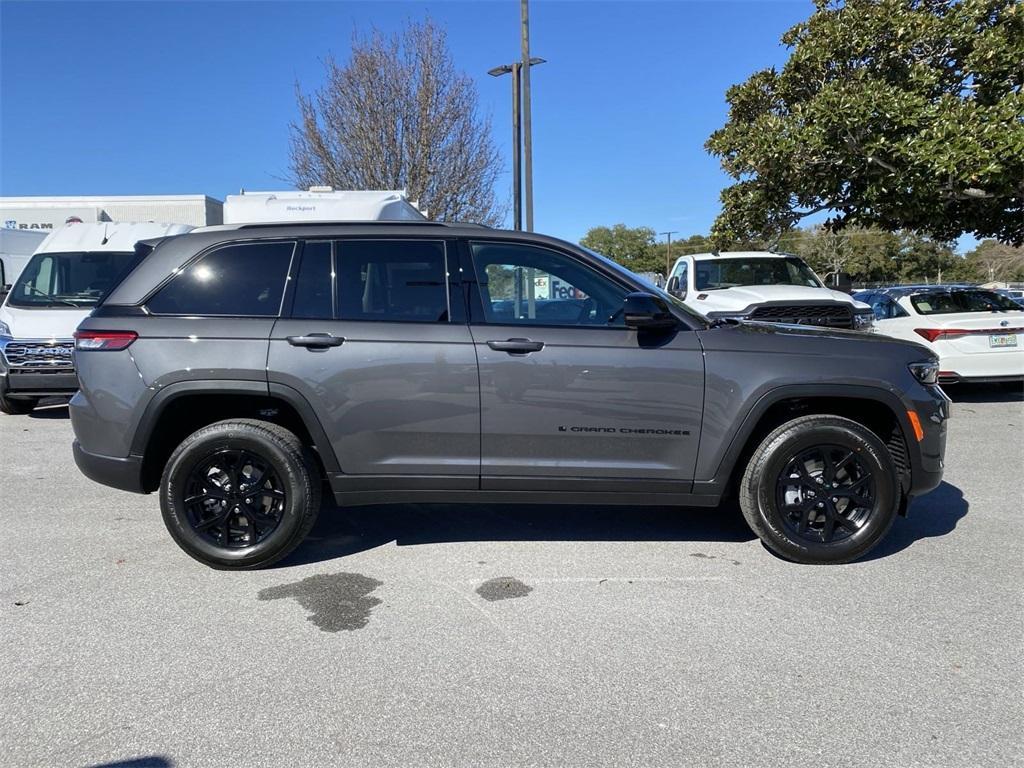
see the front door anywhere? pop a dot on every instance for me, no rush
(567, 391)
(375, 345)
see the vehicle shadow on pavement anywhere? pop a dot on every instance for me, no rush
(934, 514)
(346, 531)
(985, 393)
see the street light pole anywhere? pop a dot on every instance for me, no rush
(668, 253)
(517, 70)
(524, 16)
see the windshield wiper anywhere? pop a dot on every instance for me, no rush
(54, 299)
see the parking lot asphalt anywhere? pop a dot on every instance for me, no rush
(498, 636)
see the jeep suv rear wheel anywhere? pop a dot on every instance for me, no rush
(820, 489)
(240, 494)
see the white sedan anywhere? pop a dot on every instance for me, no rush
(977, 334)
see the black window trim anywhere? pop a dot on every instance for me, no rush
(215, 247)
(288, 308)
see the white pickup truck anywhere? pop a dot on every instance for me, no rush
(764, 286)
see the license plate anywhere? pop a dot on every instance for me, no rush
(1003, 340)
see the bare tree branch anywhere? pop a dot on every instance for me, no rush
(397, 115)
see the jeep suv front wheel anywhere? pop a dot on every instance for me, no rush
(240, 494)
(820, 489)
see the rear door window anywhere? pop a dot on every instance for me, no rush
(392, 280)
(242, 280)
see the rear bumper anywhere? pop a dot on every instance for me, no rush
(957, 379)
(1001, 365)
(122, 473)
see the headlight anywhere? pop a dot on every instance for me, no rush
(926, 373)
(5, 330)
(863, 320)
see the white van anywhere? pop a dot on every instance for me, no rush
(71, 270)
(16, 248)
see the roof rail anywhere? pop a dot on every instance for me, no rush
(396, 222)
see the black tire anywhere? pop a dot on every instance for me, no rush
(17, 406)
(286, 469)
(803, 514)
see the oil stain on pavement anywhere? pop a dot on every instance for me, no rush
(503, 588)
(335, 601)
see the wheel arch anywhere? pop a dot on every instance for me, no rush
(180, 409)
(879, 410)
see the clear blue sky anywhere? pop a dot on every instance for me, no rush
(196, 97)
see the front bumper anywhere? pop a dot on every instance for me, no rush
(122, 473)
(928, 455)
(42, 367)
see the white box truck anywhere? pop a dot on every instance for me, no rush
(320, 204)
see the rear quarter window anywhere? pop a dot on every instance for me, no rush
(245, 279)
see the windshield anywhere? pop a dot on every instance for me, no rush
(651, 287)
(716, 274)
(955, 302)
(78, 279)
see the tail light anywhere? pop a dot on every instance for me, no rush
(936, 334)
(104, 341)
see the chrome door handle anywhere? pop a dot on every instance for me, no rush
(516, 346)
(316, 340)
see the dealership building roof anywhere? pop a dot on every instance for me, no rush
(45, 213)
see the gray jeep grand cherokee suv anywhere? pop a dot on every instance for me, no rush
(238, 369)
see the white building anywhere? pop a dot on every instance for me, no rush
(48, 213)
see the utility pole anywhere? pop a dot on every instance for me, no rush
(668, 252)
(517, 174)
(524, 17)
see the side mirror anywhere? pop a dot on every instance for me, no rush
(843, 282)
(675, 287)
(644, 311)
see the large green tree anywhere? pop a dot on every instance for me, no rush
(904, 114)
(870, 254)
(632, 247)
(992, 260)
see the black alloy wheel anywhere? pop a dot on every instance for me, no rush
(234, 498)
(240, 494)
(825, 494)
(820, 489)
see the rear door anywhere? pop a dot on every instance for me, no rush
(213, 317)
(570, 397)
(376, 341)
